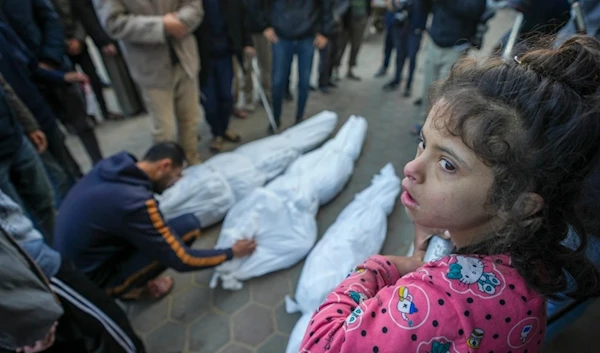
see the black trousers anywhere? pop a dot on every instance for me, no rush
(87, 65)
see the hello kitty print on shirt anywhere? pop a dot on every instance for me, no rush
(466, 272)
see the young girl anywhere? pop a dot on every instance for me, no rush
(501, 164)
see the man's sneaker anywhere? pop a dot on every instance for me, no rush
(391, 86)
(381, 72)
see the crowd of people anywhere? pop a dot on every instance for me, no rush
(68, 250)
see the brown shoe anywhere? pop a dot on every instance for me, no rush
(217, 144)
(232, 137)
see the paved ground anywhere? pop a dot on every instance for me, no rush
(197, 319)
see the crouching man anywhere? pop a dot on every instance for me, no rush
(110, 226)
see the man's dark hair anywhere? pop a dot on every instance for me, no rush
(163, 150)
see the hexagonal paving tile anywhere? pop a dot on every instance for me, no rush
(190, 304)
(170, 337)
(275, 343)
(147, 316)
(252, 325)
(270, 289)
(230, 301)
(234, 348)
(294, 274)
(182, 279)
(283, 321)
(209, 334)
(202, 277)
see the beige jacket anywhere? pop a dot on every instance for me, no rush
(138, 25)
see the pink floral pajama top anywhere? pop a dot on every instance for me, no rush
(459, 304)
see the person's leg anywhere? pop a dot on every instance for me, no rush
(61, 153)
(59, 178)
(324, 66)
(92, 320)
(357, 32)
(138, 269)
(209, 101)
(283, 55)
(248, 85)
(429, 76)
(264, 57)
(224, 67)
(31, 182)
(187, 112)
(160, 105)
(414, 43)
(387, 51)
(74, 107)
(447, 59)
(305, 51)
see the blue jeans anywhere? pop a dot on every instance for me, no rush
(217, 94)
(283, 54)
(407, 45)
(23, 179)
(388, 46)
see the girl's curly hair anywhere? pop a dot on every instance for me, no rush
(535, 121)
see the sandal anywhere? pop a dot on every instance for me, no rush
(238, 113)
(232, 137)
(416, 129)
(154, 290)
(217, 145)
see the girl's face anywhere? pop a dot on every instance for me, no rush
(446, 186)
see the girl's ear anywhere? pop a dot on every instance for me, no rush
(531, 204)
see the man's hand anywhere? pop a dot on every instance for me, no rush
(41, 345)
(174, 26)
(243, 247)
(269, 33)
(422, 236)
(74, 47)
(249, 51)
(320, 41)
(405, 265)
(75, 76)
(45, 66)
(109, 50)
(38, 138)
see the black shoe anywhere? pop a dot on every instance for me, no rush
(381, 72)
(324, 89)
(288, 96)
(406, 93)
(312, 88)
(418, 102)
(332, 84)
(352, 76)
(391, 86)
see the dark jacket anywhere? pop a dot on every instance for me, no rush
(234, 14)
(455, 21)
(18, 66)
(111, 213)
(79, 19)
(38, 26)
(11, 131)
(294, 19)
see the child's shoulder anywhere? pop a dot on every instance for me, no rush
(477, 301)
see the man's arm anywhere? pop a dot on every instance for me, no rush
(23, 114)
(326, 26)
(120, 24)
(468, 9)
(149, 232)
(53, 37)
(191, 13)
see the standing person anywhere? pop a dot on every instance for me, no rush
(328, 55)
(37, 25)
(162, 55)
(354, 22)
(79, 19)
(407, 37)
(453, 25)
(223, 35)
(294, 27)
(123, 243)
(22, 174)
(88, 320)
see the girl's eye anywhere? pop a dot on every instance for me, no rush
(421, 142)
(447, 166)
